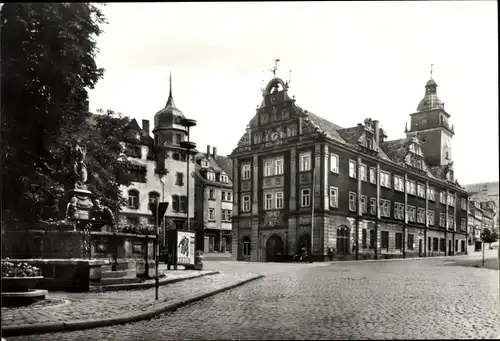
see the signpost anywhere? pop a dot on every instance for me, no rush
(158, 210)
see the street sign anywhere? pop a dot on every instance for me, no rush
(160, 208)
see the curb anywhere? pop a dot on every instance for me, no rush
(399, 259)
(134, 286)
(40, 328)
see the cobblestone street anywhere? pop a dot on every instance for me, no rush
(406, 299)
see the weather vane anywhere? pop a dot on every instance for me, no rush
(432, 65)
(273, 70)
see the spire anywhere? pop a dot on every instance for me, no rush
(170, 101)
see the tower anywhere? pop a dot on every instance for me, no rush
(431, 122)
(169, 129)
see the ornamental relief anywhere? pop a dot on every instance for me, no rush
(305, 178)
(272, 219)
(273, 182)
(264, 236)
(246, 185)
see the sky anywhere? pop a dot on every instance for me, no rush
(348, 61)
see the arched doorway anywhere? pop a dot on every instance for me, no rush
(274, 249)
(342, 240)
(304, 241)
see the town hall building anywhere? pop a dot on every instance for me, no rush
(300, 180)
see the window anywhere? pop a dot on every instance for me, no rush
(229, 196)
(463, 204)
(399, 211)
(182, 203)
(451, 200)
(352, 201)
(420, 216)
(429, 243)
(463, 224)
(211, 194)
(175, 203)
(421, 190)
(399, 241)
(352, 169)
(431, 195)
(179, 179)
(411, 187)
(291, 130)
(430, 218)
(373, 206)
(245, 202)
(305, 161)
(278, 167)
(268, 168)
(442, 197)
(362, 172)
(204, 163)
(410, 241)
(363, 204)
(462, 246)
(442, 220)
(334, 197)
(246, 246)
(211, 176)
(211, 214)
(224, 178)
(385, 179)
(334, 163)
(176, 156)
(223, 196)
(245, 172)
(268, 201)
(153, 197)
(305, 197)
(451, 222)
(399, 183)
(363, 238)
(385, 208)
(226, 215)
(257, 138)
(384, 242)
(279, 199)
(372, 239)
(133, 199)
(411, 213)
(373, 177)
(178, 138)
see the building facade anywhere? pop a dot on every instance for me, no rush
(151, 156)
(487, 193)
(347, 193)
(213, 201)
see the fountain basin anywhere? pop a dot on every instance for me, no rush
(19, 284)
(17, 299)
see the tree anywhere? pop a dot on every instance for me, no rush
(489, 236)
(47, 66)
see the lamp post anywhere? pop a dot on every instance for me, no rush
(188, 145)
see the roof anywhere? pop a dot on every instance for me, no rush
(133, 133)
(220, 164)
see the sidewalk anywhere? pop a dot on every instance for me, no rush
(72, 311)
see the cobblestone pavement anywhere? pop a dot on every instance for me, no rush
(95, 306)
(410, 299)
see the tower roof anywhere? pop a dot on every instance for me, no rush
(166, 116)
(431, 100)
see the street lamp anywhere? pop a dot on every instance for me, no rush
(188, 145)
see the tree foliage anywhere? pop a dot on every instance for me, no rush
(47, 65)
(489, 236)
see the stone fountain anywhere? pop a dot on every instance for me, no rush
(83, 249)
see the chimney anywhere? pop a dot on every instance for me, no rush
(377, 132)
(214, 152)
(145, 126)
(208, 150)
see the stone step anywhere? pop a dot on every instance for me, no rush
(119, 274)
(110, 281)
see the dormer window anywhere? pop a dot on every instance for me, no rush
(204, 163)
(257, 138)
(224, 178)
(211, 176)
